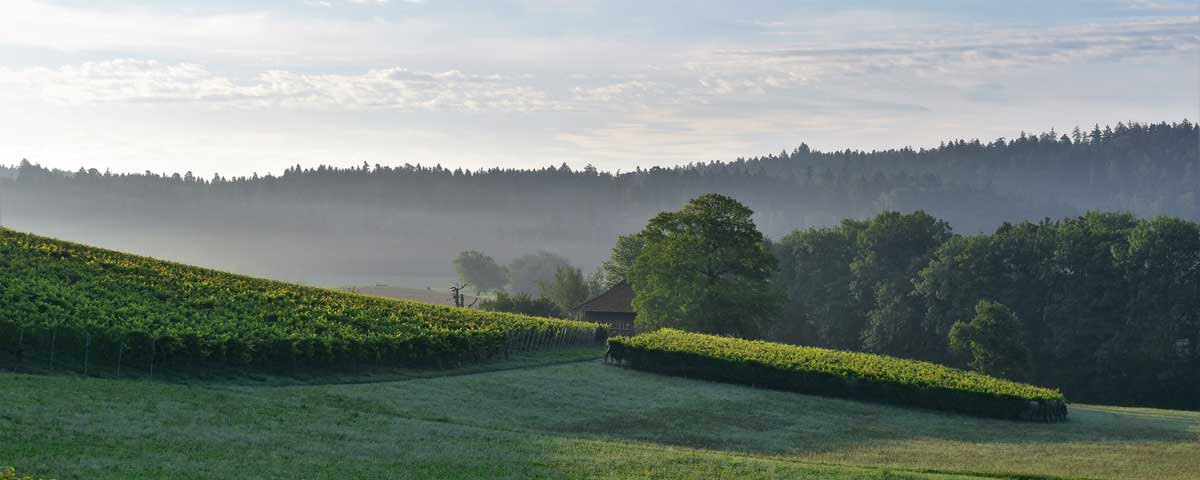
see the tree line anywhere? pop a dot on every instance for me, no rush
(370, 221)
(541, 284)
(1105, 306)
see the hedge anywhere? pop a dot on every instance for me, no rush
(835, 373)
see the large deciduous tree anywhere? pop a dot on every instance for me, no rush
(814, 273)
(479, 270)
(620, 262)
(993, 341)
(890, 251)
(527, 273)
(568, 290)
(705, 268)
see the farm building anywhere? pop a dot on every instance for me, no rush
(614, 308)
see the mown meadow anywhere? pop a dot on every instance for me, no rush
(566, 420)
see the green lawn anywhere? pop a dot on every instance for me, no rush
(531, 418)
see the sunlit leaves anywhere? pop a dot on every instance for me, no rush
(835, 372)
(186, 311)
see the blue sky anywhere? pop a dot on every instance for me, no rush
(254, 86)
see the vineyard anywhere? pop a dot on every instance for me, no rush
(836, 373)
(97, 311)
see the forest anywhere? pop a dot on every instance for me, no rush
(398, 224)
(1105, 306)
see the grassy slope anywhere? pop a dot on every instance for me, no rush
(571, 420)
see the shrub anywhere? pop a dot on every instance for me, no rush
(10, 473)
(523, 304)
(836, 373)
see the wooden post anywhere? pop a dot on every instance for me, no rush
(53, 337)
(87, 347)
(120, 350)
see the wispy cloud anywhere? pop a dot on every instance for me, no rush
(369, 3)
(960, 50)
(610, 81)
(149, 81)
(1160, 6)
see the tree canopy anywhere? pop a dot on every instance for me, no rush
(705, 268)
(528, 273)
(568, 289)
(622, 258)
(1105, 305)
(480, 271)
(994, 341)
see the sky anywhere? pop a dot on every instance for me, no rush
(254, 86)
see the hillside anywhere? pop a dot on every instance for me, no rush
(83, 307)
(570, 420)
(401, 224)
(312, 397)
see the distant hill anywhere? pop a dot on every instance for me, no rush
(401, 224)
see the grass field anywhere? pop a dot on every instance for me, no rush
(436, 297)
(550, 416)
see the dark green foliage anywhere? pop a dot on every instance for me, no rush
(890, 250)
(704, 268)
(620, 262)
(814, 272)
(480, 271)
(73, 301)
(994, 341)
(524, 304)
(836, 373)
(1108, 304)
(849, 287)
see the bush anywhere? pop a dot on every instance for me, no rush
(523, 304)
(836, 373)
(10, 473)
(85, 304)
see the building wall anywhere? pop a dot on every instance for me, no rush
(618, 323)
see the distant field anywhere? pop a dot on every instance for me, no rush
(530, 419)
(436, 297)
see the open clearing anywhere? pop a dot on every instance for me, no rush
(565, 420)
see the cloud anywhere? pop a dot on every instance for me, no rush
(624, 93)
(149, 81)
(369, 3)
(1159, 6)
(945, 50)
